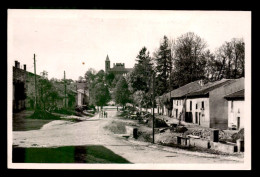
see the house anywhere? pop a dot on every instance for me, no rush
(207, 105)
(82, 97)
(23, 88)
(171, 103)
(236, 109)
(178, 97)
(118, 68)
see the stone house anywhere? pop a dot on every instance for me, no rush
(208, 107)
(82, 97)
(205, 104)
(23, 88)
(178, 97)
(171, 103)
(236, 110)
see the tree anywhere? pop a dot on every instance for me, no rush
(163, 60)
(48, 95)
(101, 94)
(90, 75)
(140, 78)
(109, 78)
(230, 59)
(121, 92)
(80, 79)
(142, 72)
(189, 59)
(212, 65)
(138, 98)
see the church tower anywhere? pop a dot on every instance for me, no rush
(107, 64)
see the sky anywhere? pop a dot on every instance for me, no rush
(63, 40)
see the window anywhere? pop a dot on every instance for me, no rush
(202, 104)
(190, 105)
(196, 105)
(177, 102)
(231, 106)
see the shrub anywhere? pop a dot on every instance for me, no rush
(239, 135)
(158, 123)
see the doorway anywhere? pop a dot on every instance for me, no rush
(199, 118)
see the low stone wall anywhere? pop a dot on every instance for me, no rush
(224, 147)
(207, 144)
(203, 143)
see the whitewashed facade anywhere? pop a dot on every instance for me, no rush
(199, 110)
(236, 114)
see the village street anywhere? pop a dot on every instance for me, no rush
(91, 132)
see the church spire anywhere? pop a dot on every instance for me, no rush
(107, 59)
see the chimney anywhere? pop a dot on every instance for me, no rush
(16, 63)
(24, 67)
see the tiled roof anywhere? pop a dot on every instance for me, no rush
(182, 91)
(209, 87)
(238, 94)
(82, 91)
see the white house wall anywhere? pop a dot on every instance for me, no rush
(233, 114)
(203, 115)
(164, 111)
(79, 99)
(177, 108)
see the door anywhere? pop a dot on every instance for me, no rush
(196, 117)
(199, 118)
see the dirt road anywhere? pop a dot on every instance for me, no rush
(91, 132)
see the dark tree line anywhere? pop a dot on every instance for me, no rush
(175, 63)
(187, 59)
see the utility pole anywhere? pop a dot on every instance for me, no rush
(170, 83)
(35, 96)
(153, 106)
(65, 89)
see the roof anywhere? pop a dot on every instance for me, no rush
(107, 59)
(81, 85)
(204, 90)
(120, 69)
(236, 95)
(129, 69)
(82, 91)
(182, 91)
